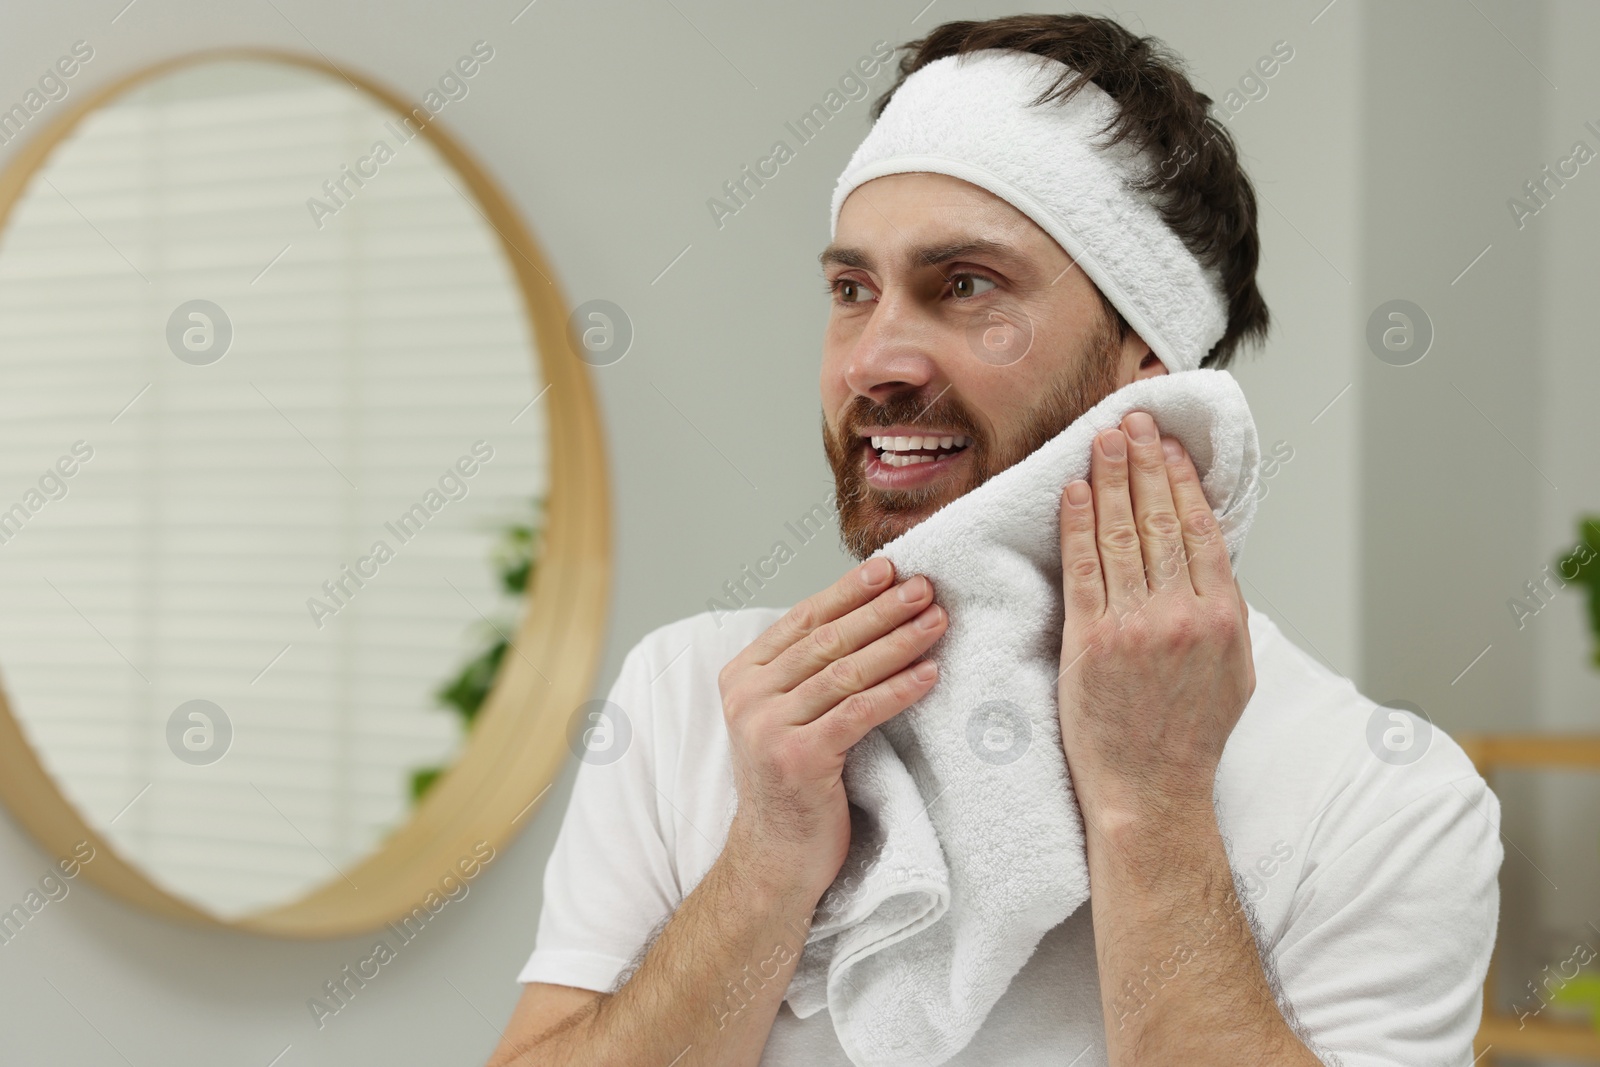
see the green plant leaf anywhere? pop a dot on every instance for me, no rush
(422, 779)
(516, 555)
(1587, 577)
(467, 691)
(514, 559)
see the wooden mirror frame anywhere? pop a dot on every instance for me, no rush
(518, 741)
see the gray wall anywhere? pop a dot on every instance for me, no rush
(1382, 152)
(1477, 461)
(1449, 492)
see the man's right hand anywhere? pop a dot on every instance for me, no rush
(836, 665)
(795, 700)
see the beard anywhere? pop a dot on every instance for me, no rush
(870, 518)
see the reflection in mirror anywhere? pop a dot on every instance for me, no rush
(271, 477)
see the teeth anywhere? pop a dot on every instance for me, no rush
(892, 447)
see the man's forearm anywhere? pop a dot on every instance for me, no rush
(708, 989)
(1181, 978)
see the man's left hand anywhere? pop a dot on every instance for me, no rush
(1155, 647)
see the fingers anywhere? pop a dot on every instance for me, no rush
(1083, 586)
(1121, 559)
(850, 720)
(848, 593)
(1160, 536)
(847, 677)
(856, 635)
(1210, 570)
(838, 638)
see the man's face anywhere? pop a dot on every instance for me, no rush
(955, 319)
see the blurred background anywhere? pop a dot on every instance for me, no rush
(1416, 497)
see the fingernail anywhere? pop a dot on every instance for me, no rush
(1112, 444)
(1173, 450)
(929, 618)
(924, 671)
(912, 589)
(1141, 427)
(1078, 492)
(876, 571)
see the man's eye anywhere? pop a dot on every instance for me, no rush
(851, 292)
(968, 285)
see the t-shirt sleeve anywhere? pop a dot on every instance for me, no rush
(1384, 956)
(610, 879)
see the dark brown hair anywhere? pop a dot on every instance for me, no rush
(1198, 186)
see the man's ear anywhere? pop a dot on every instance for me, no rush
(1151, 366)
(1148, 364)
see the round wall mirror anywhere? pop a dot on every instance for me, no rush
(303, 523)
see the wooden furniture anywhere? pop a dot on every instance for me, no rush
(1501, 1033)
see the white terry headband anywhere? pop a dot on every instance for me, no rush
(970, 116)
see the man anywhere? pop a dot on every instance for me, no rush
(1347, 914)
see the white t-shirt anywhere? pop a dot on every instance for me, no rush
(1374, 882)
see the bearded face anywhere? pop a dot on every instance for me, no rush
(898, 460)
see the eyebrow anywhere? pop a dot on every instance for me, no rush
(925, 256)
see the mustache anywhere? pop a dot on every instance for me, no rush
(907, 409)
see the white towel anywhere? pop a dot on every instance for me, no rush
(967, 842)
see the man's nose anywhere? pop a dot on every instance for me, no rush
(895, 352)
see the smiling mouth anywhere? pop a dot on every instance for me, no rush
(910, 451)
